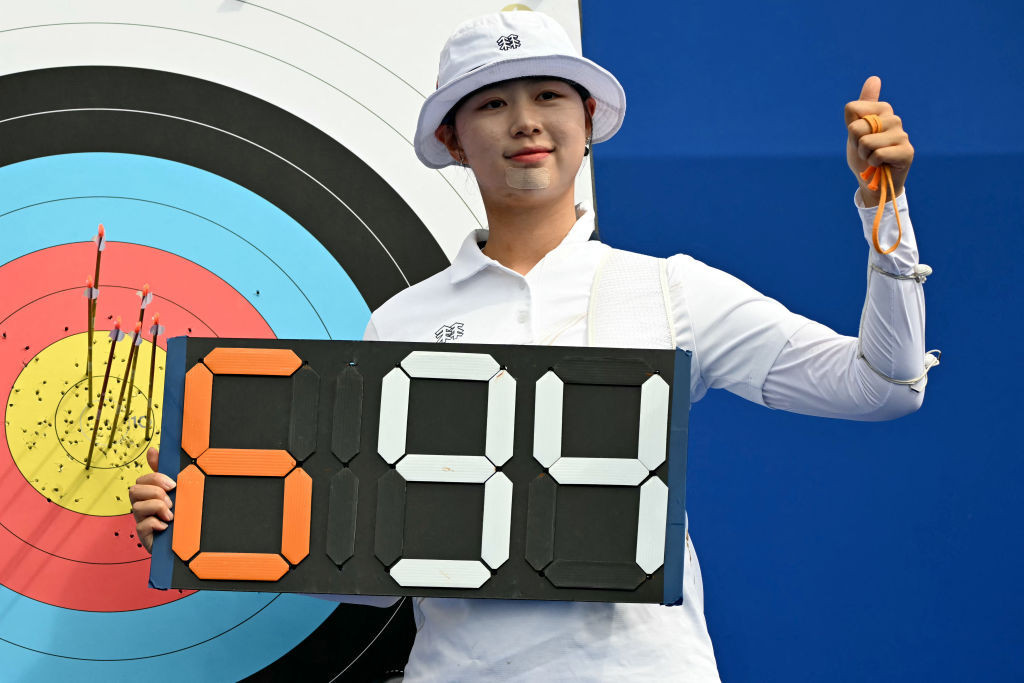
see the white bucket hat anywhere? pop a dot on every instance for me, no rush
(506, 45)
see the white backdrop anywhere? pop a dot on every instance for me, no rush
(357, 71)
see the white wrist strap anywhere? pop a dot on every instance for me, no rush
(920, 274)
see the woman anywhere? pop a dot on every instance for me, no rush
(519, 106)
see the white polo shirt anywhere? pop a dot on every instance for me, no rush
(741, 340)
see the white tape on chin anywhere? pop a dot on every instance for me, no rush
(527, 178)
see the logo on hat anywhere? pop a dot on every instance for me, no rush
(509, 42)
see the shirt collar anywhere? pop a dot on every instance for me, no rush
(470, 260)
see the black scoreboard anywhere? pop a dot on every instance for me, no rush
(392, 468)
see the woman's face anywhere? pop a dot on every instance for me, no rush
(524, 123)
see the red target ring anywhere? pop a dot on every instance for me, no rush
(50, 553)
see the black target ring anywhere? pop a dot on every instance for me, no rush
(354, 213)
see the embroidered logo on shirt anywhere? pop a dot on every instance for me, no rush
(509, 42)
(448, 333)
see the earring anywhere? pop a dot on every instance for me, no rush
(462, 158)
(586, 149)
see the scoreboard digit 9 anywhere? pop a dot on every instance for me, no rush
(391, 468)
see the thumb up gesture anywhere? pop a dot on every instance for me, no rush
(890, 145)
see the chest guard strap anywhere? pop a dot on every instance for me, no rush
(629, 303)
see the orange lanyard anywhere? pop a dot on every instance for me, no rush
(874, 175)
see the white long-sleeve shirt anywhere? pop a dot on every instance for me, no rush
(741, 341)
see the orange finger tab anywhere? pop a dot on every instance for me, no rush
(231, 361)
(873, 121)
(246, 462)
(873, 185)
(239, 566)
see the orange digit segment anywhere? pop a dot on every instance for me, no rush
(188, 512)
(239, 566)
(195, 424)
(246, 462)
(298, 499)
(228, 361)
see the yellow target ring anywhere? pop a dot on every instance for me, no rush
(50, 403)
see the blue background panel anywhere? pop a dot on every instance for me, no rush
(831, 550)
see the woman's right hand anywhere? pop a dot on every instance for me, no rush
(150, 503)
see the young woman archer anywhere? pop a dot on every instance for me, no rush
(519, 106)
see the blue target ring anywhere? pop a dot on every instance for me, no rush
(207, 635)
(303, 293)
(228, 230)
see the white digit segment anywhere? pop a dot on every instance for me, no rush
(449, 365)
(652, 443)
(440, 573)
(497, 527)
(452, 469)
(501, 413)
(394, 415)
(474, 469)
(654, 409)
(650, 533)
(599, 471)
(547, 421)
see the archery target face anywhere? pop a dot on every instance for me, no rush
(253, 164)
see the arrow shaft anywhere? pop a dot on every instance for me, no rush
(133, 360)
(99, 255)
(93, 305)
(133, 363)
(99, 411)
(88, 357)
(120, 397)
(149, 394)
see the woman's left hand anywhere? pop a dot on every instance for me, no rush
(891, 145)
